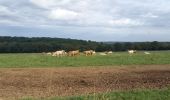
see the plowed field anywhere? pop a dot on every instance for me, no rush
(49, 82)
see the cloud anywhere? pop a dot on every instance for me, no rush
(51, 4)
(5, 11)
(125, 21)
(43, 3)
(93, 17)
(109, 13)
(150, 15)
(63, 14)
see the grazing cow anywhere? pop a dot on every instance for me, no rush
(102, 54)
(89, 52)
(73, 53)
(59, 53)
(131, 51)
(109, 52)
(94, 52)
(49, 53)
(147, 53)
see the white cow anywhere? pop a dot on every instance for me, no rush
(102, 54)
(131, 51)
(109, 52)
(59, 53)
(49, 53)
(94, 52)
(147, 53)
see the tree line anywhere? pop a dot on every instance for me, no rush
(46, 44)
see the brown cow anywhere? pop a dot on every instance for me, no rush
(73, 53)
(89, 52)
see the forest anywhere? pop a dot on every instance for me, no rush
(47, 44)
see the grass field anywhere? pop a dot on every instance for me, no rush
(163, 94)
(23, 60)
(128, 95)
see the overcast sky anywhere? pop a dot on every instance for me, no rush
(98, 20)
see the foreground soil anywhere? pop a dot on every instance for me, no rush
(49, 82)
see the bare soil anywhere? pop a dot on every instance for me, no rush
(49, 82)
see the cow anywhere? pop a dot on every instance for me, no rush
(147, 53)
(73, 53)
(59, 53)
(131, 51)
(89, 52)
(102, 54)
(49, 53)
(109, 52)
(94, 52)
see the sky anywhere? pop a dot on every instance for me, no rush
(97, 20)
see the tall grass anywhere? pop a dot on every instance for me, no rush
(117, 58)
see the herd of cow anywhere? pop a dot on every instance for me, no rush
(71, 53)
(76, 53)
(86, 53)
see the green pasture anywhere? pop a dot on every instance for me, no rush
(24, 60)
